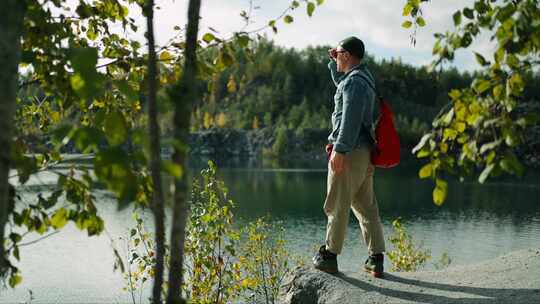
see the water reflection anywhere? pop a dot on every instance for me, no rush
(477, 222)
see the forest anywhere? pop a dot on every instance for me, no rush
(285, 88)
(70, 82)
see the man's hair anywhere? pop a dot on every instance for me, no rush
(354, 46)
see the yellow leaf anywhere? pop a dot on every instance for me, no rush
(449, 134)
(59, 219)
(426, 171)
(55, 117)
(460, 126)
(255, 123)
(14, 280)
(406, 24)
(440, 192)
(165, 56)
(444, 147)
(473, 119)
(497, 91)
(221, 120)
(231, 85)
(207, 120)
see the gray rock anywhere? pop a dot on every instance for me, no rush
(514, 278)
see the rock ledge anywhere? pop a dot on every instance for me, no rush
(513, 278)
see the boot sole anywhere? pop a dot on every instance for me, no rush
(374, 274)
(327, 270)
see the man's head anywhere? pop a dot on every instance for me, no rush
(349, 53)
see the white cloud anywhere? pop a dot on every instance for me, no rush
(376, 22)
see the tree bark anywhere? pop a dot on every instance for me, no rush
(155, 151)
(11, 26)
(183, 95)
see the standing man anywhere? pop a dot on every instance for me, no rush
(350, 172)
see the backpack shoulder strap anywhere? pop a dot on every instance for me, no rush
(379, 96)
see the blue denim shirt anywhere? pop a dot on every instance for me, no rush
(354, 108)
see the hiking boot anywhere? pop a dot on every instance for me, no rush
(325, 260)
(375, 265)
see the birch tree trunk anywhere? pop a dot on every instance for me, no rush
(183, 95)
(155, 151)
(11, 26)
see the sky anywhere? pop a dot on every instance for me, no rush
(376, 22)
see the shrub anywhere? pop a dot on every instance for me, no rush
(266, 260)
(406, 256)
(223, 263)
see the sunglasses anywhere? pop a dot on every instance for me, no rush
(334, 53)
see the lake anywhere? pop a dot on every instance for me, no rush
(477, 222)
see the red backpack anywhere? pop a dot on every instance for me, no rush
(386, 150)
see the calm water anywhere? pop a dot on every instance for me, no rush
(477, 222)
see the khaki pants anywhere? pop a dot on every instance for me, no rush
(353, 189)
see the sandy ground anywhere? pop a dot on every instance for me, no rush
(513, 278)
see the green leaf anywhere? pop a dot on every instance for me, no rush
(172, 168)
(15, 237)
(420, 21)
(480, 7)
(115, 128)
(225, 59)
(16, 253)
(481, 85)
(490, 146)
(480, 59)
(91, 34)
(407, 9)
(516, 84)
(455, 94)
(243, 40)
(511, 164)
(84, 60)
(124, 87)
(506, 12)
(87, 139)
(310, 8)
(208, 37)
(59, 219)
(77, 83)
(288, 19)
(14, 280)
(457, 18)
(485, 173)
(513, 61)
(447, 118)
(112, 167)
(406, 24)
(466, 40)
(498, 91)
(469, 13)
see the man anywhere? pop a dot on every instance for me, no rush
(350, 172)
